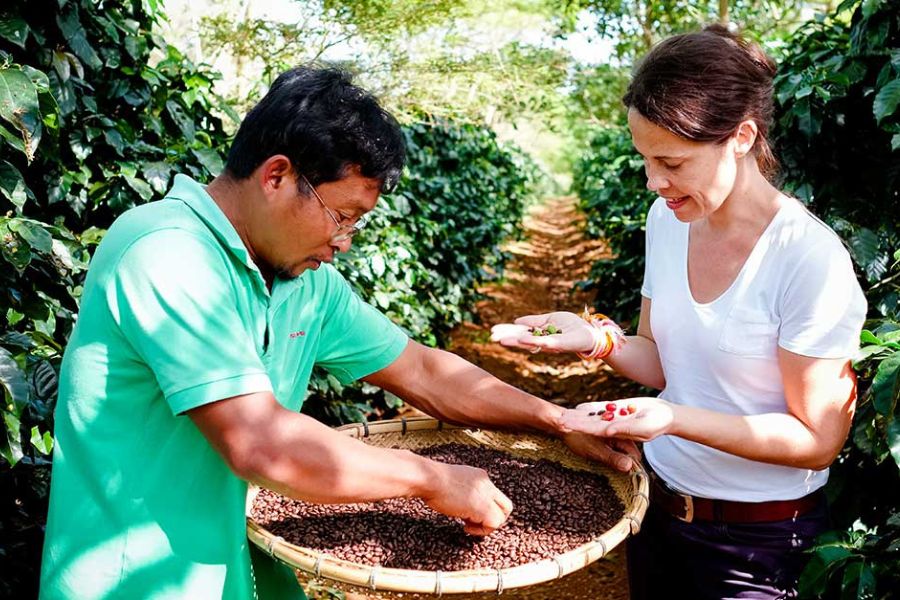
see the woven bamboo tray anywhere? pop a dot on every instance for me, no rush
(422, 432)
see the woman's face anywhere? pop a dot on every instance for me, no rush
(695, 178)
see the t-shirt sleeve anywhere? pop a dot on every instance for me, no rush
(823, 309)
(357, 339)
(652, 216)
(175, 302)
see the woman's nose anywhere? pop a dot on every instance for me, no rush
(655, 180)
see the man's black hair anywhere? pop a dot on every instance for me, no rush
(324, 124)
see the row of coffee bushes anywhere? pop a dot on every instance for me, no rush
(91, 124)
(838, 139)
(612, 191)
(88, 129)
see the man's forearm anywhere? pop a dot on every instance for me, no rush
(304, 459)
(454, 390)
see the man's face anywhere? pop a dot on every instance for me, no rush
(298, 231)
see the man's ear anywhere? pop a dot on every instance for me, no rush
(274, 173)
(745, 137)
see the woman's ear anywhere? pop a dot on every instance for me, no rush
(745, 137)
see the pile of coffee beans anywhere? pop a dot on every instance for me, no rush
(556, 510)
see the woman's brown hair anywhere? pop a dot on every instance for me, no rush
(702, 85)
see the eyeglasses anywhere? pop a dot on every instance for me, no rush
(344, 231)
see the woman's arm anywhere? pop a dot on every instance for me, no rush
(637, 359)
(820, 396)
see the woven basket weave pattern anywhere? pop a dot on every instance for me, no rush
(414, 434)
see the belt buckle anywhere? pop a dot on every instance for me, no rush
(688, 508)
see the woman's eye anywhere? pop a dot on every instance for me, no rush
(672, 167)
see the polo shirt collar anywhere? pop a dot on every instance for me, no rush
(198, 199)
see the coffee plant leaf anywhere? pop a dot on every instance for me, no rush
(886, 384)
(19, 106)
(43, 442)
(10, 440)
(70, 25)
(893, 438)
(887, 100)
(33, 233)
(210, 159)
(12, 185)
(14, 28)
(858, 581)
(15, 386)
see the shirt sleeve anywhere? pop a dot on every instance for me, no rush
(646, 287)
(357, 339)
(823, 309)
(174, 299)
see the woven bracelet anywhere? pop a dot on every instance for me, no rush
(608, 336)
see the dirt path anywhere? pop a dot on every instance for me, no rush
(546, 264)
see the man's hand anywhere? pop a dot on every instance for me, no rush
(618, 454)
(467, 493)
(576, 333)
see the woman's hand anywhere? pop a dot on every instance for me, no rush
(638, 419)
(575, 333)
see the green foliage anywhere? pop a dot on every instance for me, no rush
(596, 100)
(861, 558)
(839, 135)
(438, 58)
(90, 125)
(635, 25)
(838, 128)
(431, 243)
(611, 186)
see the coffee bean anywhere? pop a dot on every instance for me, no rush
(556, 510)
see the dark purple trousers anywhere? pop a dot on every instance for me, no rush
(713, 560)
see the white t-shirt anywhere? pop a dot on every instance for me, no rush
(797, 290)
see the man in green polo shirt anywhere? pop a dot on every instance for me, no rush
(201, 318)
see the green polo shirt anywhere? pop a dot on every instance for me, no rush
(175, 315)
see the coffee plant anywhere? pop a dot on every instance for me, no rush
(90, 126)
(611, 186)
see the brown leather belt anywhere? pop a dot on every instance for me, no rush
(692, 508)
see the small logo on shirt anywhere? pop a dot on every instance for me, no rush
(297, 334)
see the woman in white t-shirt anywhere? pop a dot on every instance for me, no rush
(750, 314)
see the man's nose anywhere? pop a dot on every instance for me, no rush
(342, 245)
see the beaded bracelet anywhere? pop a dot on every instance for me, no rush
(608, 336)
